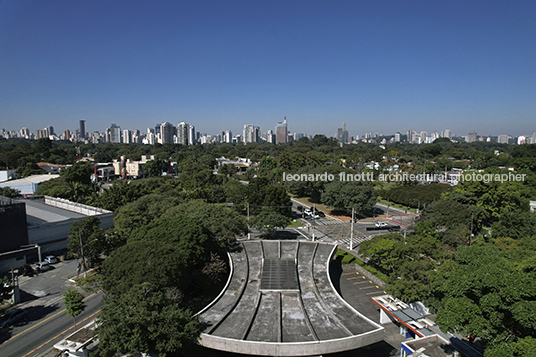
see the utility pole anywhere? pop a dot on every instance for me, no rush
(249, 234)
(82, 253)
(314, 209)
(352, 231)
(471, 237)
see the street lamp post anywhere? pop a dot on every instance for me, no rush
(352, 231)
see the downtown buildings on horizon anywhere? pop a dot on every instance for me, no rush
(185, 134)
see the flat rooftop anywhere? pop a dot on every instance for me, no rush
(30, 179)
(280, 301)
(38, 213)
(50, 210)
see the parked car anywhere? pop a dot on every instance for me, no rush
(27, 270)
(42, 266)
(381, 224)
(51, 259)
(12, 317)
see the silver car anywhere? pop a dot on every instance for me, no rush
(51, 259)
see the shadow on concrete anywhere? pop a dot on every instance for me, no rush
(25, 296)
(33, 313)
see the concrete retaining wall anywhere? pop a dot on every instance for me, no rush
(311, 348)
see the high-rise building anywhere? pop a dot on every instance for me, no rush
(446, 134)
(270, 136)
(113, 134)
(166, 132)
(127, 136)
(228, 136)
(149, 137)
(413, 136)
(191, 135)
(82, 130)
(342, 134)
(182, 133)
(48, 131)
(136, 136)
(471, 137)
(397, 137)
(281, 132)
(25, 133)
(424, 136)
(502, 139)
(251, 133)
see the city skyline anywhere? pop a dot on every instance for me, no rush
(185, 134)
(379, 67)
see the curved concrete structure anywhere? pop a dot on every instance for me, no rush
(280, 301)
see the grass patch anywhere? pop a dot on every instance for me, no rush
(319, 206)
(347, 258)
(396, 205)
(295, 223)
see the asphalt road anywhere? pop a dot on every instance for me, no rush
(46, 321)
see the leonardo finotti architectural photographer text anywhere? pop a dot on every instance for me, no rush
(404, 176)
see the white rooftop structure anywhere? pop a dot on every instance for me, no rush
(27, 185)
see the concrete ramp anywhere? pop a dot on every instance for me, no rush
(280, 301)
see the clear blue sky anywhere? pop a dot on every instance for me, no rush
(380, 66)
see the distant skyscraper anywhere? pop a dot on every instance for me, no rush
(127, 136)
(423, 136)
(49, 130)
(471, 137)
(502, 139)
(149, 137)
(166, 132)
(397, 137)
(281, 132)
(446, 134)
(342, 134)
(182, 133)
(228, 136)
(82, 129)
(270, 136)
(191, 135)
(251, 133)
(25, 132)
(113, 134)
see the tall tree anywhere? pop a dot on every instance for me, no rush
(347, 195)
(74, 303)
(482, 292)
(88, 232)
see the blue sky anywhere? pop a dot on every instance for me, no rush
(380, 66)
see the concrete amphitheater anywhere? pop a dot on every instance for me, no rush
(280, 301)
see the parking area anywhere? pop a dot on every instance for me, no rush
(357, 290)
